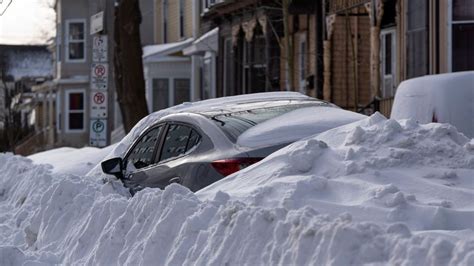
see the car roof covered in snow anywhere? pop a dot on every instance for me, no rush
(444, 98)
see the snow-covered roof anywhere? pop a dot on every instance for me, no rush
(157, 50)
(207, 42)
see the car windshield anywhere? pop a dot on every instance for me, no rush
(233, 124)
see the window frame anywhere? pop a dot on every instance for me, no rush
(67, 59)
(171, 89)
(302, 67)
(68, 111)
(181, 18)
(164, 22)
(393, 75)
(157, 145)
(163, 138)
(450, 24)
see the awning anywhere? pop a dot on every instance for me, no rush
(209, 42)
(152, 53)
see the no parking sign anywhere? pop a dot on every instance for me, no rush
(98, 104)
(99, 74)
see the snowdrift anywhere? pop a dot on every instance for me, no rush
(376, 191)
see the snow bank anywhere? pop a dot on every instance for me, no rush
(374, 192)
(445, 98)
(68, 160)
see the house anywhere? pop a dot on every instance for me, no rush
(370, 46)
(305, 31)
(22, 67)
(171, 77)
(84, 85)
(248, 51)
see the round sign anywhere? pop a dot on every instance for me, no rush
(99, 42)
(98, 126)
(99, 98)
(99, 70)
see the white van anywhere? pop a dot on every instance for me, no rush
(444, 98)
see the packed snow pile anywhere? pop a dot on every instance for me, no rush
(68, 160)
(376, 192)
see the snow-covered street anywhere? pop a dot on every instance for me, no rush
(376, 191)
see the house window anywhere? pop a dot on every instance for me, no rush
(181, 18)
(228, 67)
(165, 21)
(417, 38)
(160, 94)
(254, 67)
(302, 64)
(170, 91)
(206, 78)
(181, 90)
(75, 41)
(387, 64)
(75, 118)
(462, 35)
(58, 43)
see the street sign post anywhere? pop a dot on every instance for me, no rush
(99, 84)
(98, 132)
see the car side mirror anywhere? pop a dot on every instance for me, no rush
(113, 166)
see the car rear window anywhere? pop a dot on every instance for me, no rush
(233, 124)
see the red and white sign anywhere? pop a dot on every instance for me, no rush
(99, 76)
(98, 104)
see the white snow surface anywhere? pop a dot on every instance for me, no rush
(296, 125)
(67, 160)
(447, 97)
(375, 192)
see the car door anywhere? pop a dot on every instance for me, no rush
(179, 141)
(142, 157)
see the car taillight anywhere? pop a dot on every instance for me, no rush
(229, 166)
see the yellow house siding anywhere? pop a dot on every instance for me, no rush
(188, 19)
(173, 21)
(159, 21)
(173, 27)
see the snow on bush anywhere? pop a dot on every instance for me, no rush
(374, 192)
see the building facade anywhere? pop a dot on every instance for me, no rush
(83, 80)
(22, 117)
(248, 56)
(171, 77)
(370, 46)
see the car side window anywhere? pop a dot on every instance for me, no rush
(142, 154)
(179, 139)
